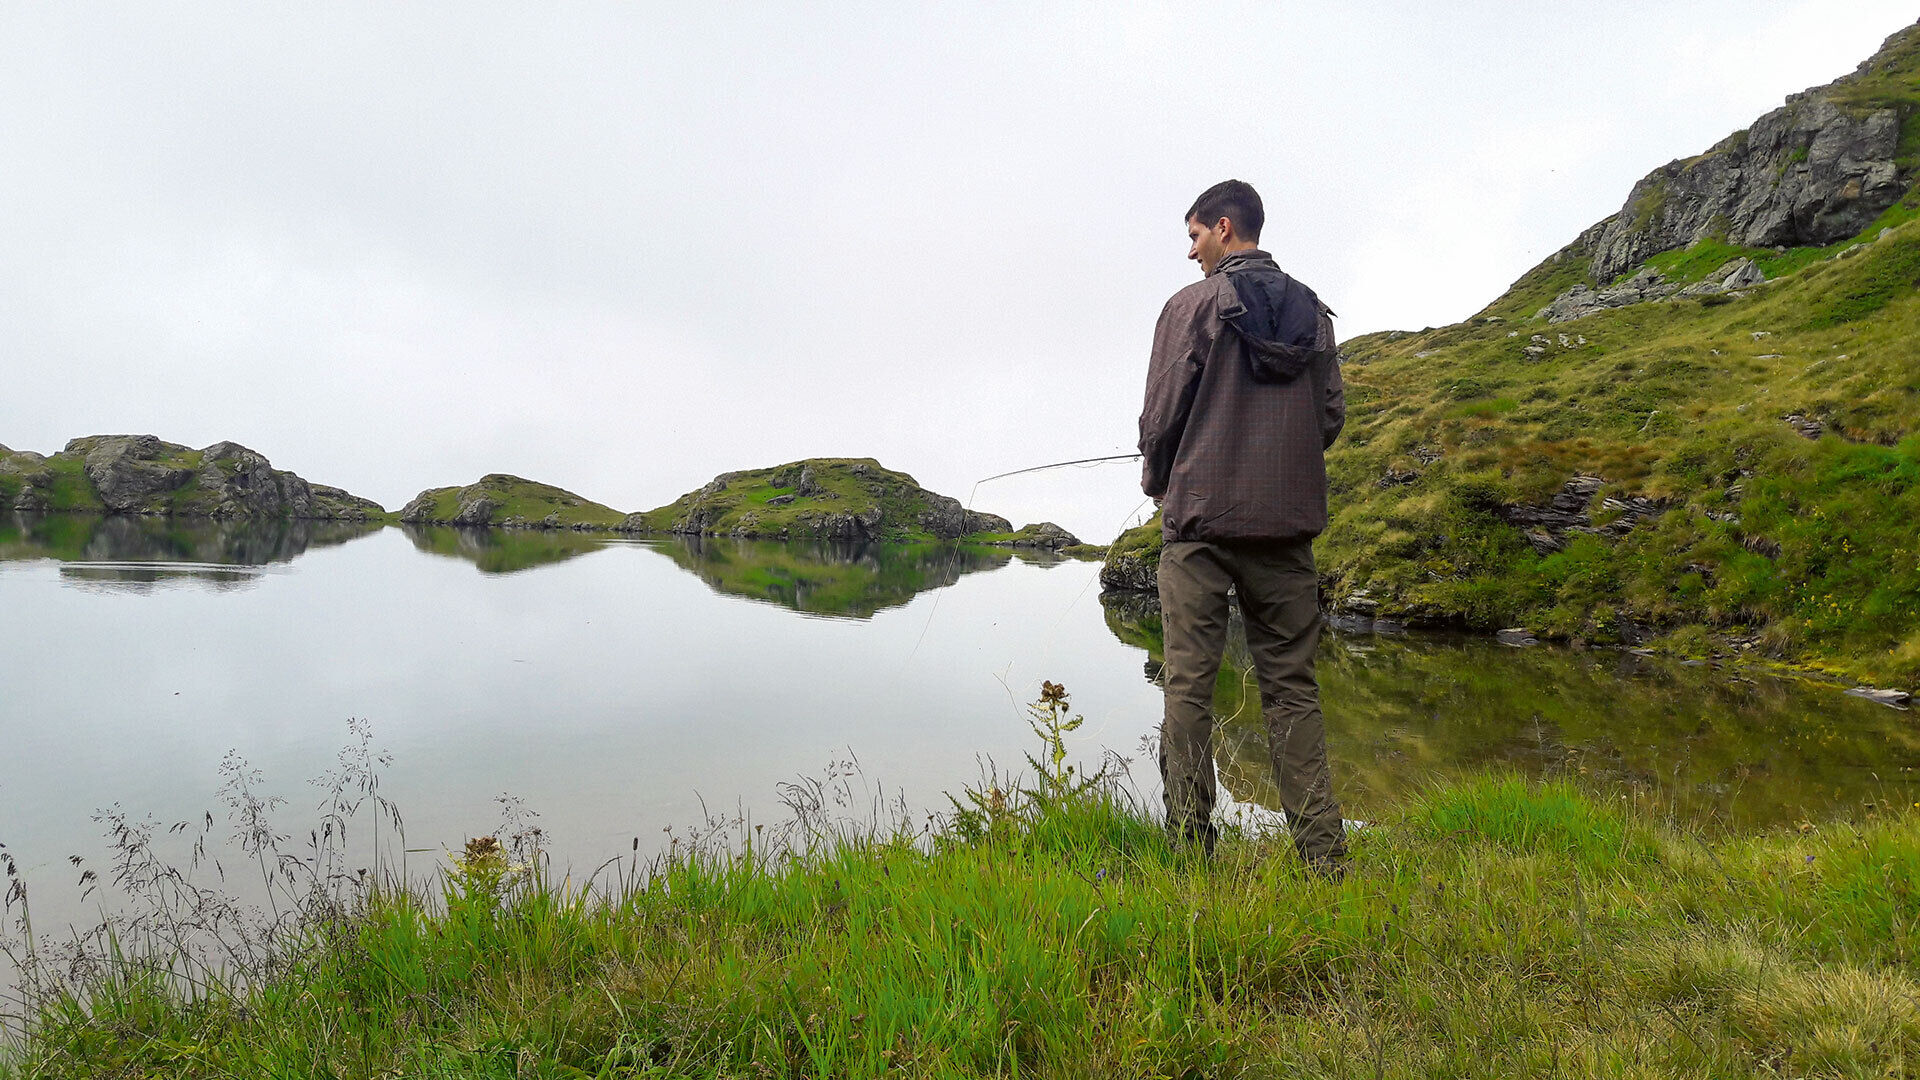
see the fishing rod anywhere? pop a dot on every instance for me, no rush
(1058, 465)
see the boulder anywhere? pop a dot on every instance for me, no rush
(1046, 535)
(475, 510)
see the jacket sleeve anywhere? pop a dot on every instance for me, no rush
(1333, 412)
(1173, 374)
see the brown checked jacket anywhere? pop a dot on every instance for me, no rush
(1234, 458)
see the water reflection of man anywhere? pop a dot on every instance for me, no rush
(1243, 398)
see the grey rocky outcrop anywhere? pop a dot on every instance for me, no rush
(1806, 174)
(1132, 572)
(1570, 511)
(1818, 169)
(947, 519)
(143, 474)
(131, 473)
(1648, 285)
(1045, 535)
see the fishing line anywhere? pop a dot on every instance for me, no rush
(1085, 463)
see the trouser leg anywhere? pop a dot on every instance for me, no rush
(1279, 603)
(1193, 613)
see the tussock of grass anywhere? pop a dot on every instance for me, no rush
(1493, 927)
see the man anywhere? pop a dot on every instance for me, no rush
(1243, 398)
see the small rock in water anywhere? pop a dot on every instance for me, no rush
(1517, 636)
(1898, 699)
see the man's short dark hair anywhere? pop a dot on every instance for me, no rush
(1234, 200)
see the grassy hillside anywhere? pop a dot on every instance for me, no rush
(1757, 538)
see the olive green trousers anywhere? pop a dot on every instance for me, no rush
(1279, 603)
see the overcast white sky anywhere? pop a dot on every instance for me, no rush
(622, 248)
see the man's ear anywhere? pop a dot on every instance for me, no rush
(1225, 228)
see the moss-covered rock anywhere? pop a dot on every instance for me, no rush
(1133, 560)
(142, 474)
(498, 499)
(818, 498)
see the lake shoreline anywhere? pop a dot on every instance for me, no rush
(1051, 928)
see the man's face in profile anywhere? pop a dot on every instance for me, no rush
(1209, 243)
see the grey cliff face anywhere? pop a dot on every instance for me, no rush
(1806, 174)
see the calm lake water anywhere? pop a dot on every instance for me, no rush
(619, 687)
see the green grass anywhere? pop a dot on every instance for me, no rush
(1491, 927)
(69, 488)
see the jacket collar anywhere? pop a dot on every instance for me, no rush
(1246, 260)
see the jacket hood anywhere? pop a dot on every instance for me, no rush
(1272, 311)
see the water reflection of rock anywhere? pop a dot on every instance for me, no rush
(139, 552)
(846, 579)
(502, 551)
(1704, 745)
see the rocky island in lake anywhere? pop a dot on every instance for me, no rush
(833, 499)
(141, 474)
(511, 502)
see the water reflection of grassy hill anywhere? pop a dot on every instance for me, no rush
(838, 578)
(139, 538)
(1710, 745)
(502, 551)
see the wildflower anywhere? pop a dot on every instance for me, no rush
(1053, 692)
